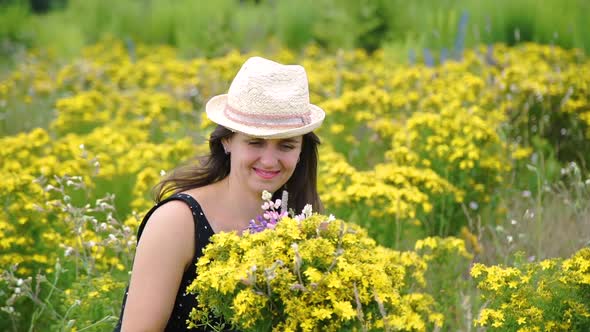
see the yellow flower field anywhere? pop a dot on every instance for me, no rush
(409, 153)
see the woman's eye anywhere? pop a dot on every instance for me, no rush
(288, 147)
(254, 143)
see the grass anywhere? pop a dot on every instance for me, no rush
(551, 221)
(213, 28)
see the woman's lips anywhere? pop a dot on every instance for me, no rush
(266, 174)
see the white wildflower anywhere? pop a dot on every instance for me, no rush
(284, 200)
(277, 204)
(307, 210)
(266, 196)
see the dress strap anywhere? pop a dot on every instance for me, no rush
(188, 199)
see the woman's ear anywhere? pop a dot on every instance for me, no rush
(225, 142)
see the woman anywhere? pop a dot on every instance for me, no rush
(263, 141)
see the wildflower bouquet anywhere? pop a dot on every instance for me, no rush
(309, 273)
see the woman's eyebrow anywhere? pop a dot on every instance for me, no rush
(290, 140)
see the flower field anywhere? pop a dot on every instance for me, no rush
(458, 169)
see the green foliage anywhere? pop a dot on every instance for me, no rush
(544, 219)
(214, 28)
(91, 302)
(558, 22)
(448, 262)
(14, 26)
(549, 295)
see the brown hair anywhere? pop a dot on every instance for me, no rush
(301, 186)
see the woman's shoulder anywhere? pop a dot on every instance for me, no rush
(166, 241)
(174, 218)
(205, 196)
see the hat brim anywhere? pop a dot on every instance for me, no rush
(215, 112)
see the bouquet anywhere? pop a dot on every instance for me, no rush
(309, 273)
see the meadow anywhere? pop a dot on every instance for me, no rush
(475, 170)
(200, 28)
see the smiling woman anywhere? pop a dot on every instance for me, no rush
(264, 141)
(262, 164)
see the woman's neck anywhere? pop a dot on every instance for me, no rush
(240, 206)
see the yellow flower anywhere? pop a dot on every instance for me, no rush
(546, 264)
(477, 269)
(337, 262)
(344, 309)
(321, 313)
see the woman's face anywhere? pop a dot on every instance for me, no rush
(262, 164)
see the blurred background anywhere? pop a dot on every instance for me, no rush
(404, 29)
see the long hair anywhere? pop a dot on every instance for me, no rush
(208, 169)
(302, 185)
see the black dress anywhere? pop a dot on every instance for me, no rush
(184, 302)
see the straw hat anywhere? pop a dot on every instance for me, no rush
(267, 100)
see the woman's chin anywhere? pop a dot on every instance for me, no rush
(270, 186)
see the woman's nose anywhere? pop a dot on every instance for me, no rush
(268, 156)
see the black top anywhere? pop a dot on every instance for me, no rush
(184, 302)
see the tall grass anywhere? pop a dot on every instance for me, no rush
(550, 220)
(213, 28)
(544, 22)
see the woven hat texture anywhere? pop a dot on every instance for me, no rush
(267, 99)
